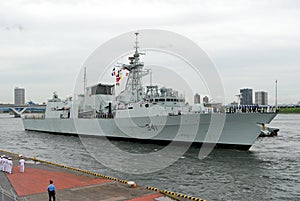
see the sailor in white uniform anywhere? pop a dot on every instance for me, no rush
(1, 158)
(22, 164)
(5, 164)
(9, 165)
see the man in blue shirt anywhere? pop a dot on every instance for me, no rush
(51, 191)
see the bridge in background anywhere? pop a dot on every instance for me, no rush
(18, 110)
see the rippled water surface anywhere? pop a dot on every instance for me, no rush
(270, 170)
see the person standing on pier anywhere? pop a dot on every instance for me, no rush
(9, 165)
(22, 164)
(51, 191)
(1, 159)
(3, 166)
(4, 163)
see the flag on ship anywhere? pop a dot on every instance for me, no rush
(117, 72)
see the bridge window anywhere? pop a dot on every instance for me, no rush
(103, 89)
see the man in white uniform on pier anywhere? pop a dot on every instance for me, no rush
(22, 164)
(4, 163)
(9, 165)
(1, 159)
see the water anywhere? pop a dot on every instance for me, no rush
(269, 171)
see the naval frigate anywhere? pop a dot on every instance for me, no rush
(148, 113)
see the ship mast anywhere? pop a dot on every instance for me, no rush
(134, 81)
(84, 80)
(276, 94)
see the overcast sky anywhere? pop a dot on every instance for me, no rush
(44, 43)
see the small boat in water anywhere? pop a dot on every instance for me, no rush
(268, 131)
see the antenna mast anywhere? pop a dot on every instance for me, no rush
(276, 94)
(84, 80)
(136, 43)
(135, 67)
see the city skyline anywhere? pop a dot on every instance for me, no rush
(45, 43)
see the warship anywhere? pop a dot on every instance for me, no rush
(147, 113)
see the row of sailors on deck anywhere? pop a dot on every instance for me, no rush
(6, 164)
(250, 108)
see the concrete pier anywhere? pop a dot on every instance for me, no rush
(70, 185)
(73, 184)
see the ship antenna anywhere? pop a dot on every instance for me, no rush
(134, 81)
(136, 54)
(276, 94)
(84, 80)
(136, 42)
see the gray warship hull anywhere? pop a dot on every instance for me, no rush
(240, 129)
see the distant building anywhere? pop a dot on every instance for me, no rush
(196, 98)
(261, 98)
(246, 96)
(205, 99)
(19, 96)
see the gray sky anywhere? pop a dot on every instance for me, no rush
(44, 43)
